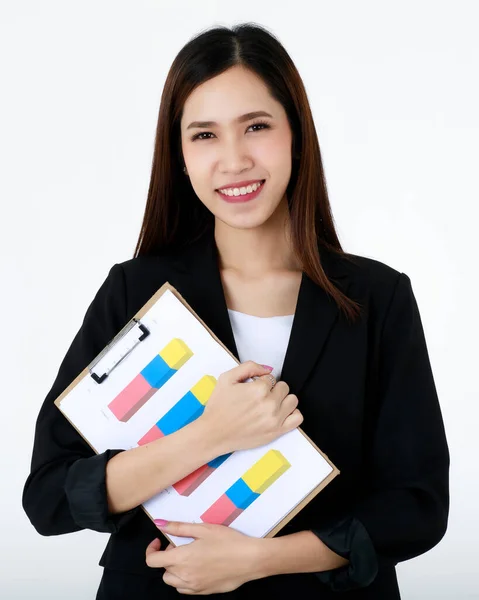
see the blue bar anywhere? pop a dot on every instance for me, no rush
(183, 412)
(219, 460)
(157, 372)
(241, 494)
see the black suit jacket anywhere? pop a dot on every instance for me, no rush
(367, 394)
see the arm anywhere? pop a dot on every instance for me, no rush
(301, 552)
(347, 560)
(404, 511)
(135, 475)
(69, 486)
(65, 489)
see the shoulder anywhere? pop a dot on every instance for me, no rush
(142, 276)
(136, 268)
(372, 273)
(363, 271)
(375, 284)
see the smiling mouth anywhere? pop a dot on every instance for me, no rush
(242, 197)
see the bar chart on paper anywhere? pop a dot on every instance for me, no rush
(247, 488)
(186, 410)
(156, 373)
(143, 388)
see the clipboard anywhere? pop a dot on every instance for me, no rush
(108, 363)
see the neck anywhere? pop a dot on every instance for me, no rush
(259, 250)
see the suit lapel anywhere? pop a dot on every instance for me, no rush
(315, 315)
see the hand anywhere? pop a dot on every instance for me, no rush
(218, 560)
(249, 414)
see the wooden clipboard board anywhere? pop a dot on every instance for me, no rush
(99, 375)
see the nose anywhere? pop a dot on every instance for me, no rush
(234, 156)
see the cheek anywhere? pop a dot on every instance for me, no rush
(277, 163)
(198, 158)
(275, 154)
(203, 190)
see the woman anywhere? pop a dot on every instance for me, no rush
(238, 220)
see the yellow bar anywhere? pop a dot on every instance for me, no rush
(176, 353)
(204, 388)
(266, 471)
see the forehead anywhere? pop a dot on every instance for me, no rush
(228, 95)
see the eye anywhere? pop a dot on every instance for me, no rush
(261, 124)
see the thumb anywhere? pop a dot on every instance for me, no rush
(153, 546)
(248, 370)
(183, 529)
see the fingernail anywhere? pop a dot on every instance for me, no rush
(160, 522)
(267, 367)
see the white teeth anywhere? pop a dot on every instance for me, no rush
(240, 191)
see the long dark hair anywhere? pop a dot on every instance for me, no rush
(174, 216)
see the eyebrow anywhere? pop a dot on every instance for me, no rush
(241, 119)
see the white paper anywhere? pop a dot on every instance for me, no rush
(86, 406)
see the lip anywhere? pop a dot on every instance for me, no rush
(239, 184)
(242, 199)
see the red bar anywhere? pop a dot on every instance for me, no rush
(188, 484)
(132, 398)
(222, 512)
(153, 434)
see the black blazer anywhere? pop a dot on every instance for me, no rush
(369, 402)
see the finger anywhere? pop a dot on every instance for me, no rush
(265, 382)
(153, 546)
(263, 387)
(246, 370)
(174, 580)
(287, 406)
(184, 529)
(178, 583)
(292, 421)
(269, 379)
(157, 559)
(281, 389)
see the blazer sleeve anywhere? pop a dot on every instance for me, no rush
(404, 512)
(348, 538)
(65, 490)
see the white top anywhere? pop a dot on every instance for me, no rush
(262, 339)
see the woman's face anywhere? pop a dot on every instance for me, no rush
(232, 150)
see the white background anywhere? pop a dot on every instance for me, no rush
(394, 93)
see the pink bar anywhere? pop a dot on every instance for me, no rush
(132, 398)
(188, 484)
(155, 433)
(222, 512)
(232, 517)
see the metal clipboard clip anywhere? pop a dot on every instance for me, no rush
(118, 349)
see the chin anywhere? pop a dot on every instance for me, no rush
(244, 221)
